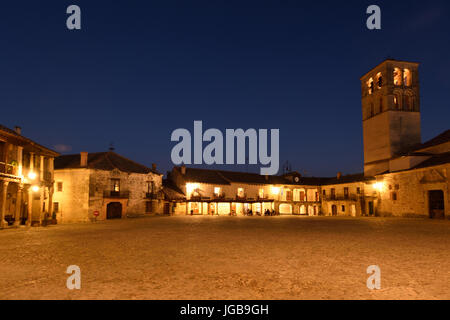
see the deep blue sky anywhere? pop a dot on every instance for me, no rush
(140, 69)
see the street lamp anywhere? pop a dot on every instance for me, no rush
(32, 175)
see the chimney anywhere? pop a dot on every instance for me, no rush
(18, 130)
(266, 177)
(154, 166)
(339, 175)
(183, 169)
(83, 159)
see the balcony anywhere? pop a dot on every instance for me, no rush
(8, 169)
(116, 194)
(219, 196)
(48, 176)
(151, 195)
(341, 198)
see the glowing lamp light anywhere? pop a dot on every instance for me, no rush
(275, 190)
(378, 186)
(32, 175)
(190, 187)
(35, 188)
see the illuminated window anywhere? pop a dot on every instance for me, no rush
(396, 102)
(217, 191)
(240, 192)
(407, 77)
(397, 77)
(115, 185)
(261, 193)
(370, 85)
(379, 80)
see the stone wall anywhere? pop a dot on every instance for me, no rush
(407, 193)
(73, 200)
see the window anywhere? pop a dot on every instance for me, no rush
(59, 186)
(379, 80)
(115, 185)
(261, 193)
(370, 86)
(324, 193)
(407, 81)
(55, 207)
(396, 102)
(397, 77)
(358, 190)
(343, 208)
(150, 187)
(302, 196)
(240, 192)
(333, 194)
(394, 196)
(346, 193)
(217, 191)
(288, 195)
(397, 187)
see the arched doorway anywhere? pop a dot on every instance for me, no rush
(436, 204)
(114, 210)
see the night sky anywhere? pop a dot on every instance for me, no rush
(140, 69)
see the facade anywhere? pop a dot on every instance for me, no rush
(104, 186)
(217, 192)
(26, 177)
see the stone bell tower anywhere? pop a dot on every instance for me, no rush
(391, 113)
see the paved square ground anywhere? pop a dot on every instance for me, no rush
(229, 258)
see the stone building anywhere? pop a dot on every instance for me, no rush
(412, 179)
(402, 176)
(217, 192)
(26, 177)
(104, 185)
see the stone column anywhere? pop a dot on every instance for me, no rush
(41, 168)
(18, 205)
(3, 223)
(30, 207)
(41, 203)
(19, 161)
(50, 202)
(31, 162)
